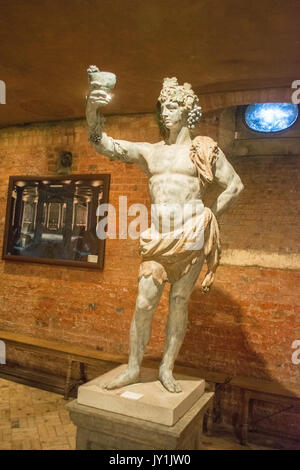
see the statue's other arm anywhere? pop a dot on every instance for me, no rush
(227, 178)
(129, 152)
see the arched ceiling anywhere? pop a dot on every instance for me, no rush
(217, 45)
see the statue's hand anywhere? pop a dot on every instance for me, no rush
(98, 98)
(95, 99)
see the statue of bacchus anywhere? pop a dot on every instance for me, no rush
(179, 170)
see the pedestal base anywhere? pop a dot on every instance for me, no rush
(147, 400)
(103, 430)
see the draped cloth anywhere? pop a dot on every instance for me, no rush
(169, 256)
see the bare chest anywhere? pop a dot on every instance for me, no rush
(171, 159)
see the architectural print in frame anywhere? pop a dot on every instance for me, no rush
(53, 219)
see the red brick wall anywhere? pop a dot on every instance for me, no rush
(245, 326)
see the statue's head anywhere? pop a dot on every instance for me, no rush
(178, 105)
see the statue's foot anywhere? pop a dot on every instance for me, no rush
(168, 381)
(130, 376)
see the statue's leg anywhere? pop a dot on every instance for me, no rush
(176, 326)
(149, 293)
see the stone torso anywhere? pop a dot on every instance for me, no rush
(172, 175)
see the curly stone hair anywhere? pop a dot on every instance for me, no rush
(184, 96)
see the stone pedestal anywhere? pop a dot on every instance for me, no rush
(103, 429)
(147, 400)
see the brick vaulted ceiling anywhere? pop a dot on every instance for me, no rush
(217, 45)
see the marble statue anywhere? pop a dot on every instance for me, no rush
(179, 168)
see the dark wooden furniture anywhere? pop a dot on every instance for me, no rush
(287, 398)
(73, 354)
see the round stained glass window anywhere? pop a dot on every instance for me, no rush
(271, 117)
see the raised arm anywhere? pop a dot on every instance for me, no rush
(228, 179)
(129, 152)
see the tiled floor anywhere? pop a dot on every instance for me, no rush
(33, 419)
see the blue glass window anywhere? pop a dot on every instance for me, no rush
(271, 117)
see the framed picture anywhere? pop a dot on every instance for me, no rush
(53, 219)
